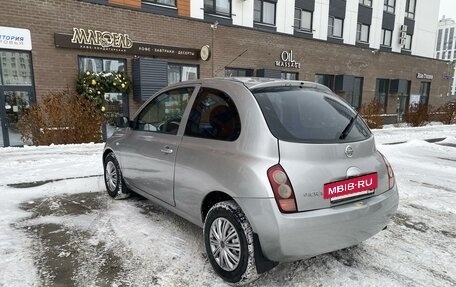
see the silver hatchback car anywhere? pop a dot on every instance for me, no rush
(272, 170)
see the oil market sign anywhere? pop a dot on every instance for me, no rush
(287, 61)
(105, 41)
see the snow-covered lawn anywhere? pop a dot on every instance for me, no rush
(59, 228)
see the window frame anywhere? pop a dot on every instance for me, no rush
(359, 33)
(367, 3)
(157, 2)
(408, 42)
(326, 78)
(124, 60)
(331, 26)
(408, 13)
(388, 7)
(248, 72)
(300, 27)
(383, 37)
(16, 70)
(214, 11)
(167, 94)
(261, 20)
(206, 132)
(381, 82)
(284, 75)
(181, 66)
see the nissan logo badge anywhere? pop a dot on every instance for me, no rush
(349, 151)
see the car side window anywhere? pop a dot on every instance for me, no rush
(164, 113)
(213, 116)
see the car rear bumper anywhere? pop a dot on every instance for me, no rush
(288, 237)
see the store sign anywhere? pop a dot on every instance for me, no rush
(104, 41)
(287, 61)
(15, 39)
(424, 76)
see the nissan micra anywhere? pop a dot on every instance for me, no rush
(272, 170)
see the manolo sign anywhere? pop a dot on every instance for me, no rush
(105, 41)
(287, 61)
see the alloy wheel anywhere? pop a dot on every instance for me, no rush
(111, 176)
(225, 244)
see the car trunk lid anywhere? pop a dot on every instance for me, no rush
(310, 166)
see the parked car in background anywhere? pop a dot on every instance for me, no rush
(272, 170)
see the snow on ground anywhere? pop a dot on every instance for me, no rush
(56, 231)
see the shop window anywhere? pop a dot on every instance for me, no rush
(410, 9)
(164, 113)
(264, 12)
(437, 55)
(236, 72)
(116, 104)
(288, 76)
(386, 37)
(362, 33)
(162, 2)
(425, 88)
(218, 7)
(213, 116)
(179, 72)
(408, 42)
(303, 20)
(98, 65)
(355, 98)
(381, 93)
(9, 69)
(389, 6)
(327, 80)
(366, 2)
(335, 27)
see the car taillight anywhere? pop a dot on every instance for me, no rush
(283, 191)
(389, 169)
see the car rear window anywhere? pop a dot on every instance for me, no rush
(300, 114)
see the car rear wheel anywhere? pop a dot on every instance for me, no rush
(229, 242)
(113, 178)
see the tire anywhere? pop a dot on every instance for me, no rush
(227, 218)
(115, 185)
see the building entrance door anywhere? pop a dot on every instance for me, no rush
(14, 101)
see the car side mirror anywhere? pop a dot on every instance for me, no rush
(122, 122)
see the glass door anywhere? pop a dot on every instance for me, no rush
(16, 93)
(14, 102)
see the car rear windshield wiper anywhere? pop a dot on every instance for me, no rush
(348, 128)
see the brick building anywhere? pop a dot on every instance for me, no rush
(363, 50)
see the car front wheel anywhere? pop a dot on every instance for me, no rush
(113, 178)
(229, 242)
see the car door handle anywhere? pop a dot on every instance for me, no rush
(167, 150)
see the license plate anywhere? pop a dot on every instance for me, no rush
(351, 187)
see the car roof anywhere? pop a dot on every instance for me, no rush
(254, 83)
